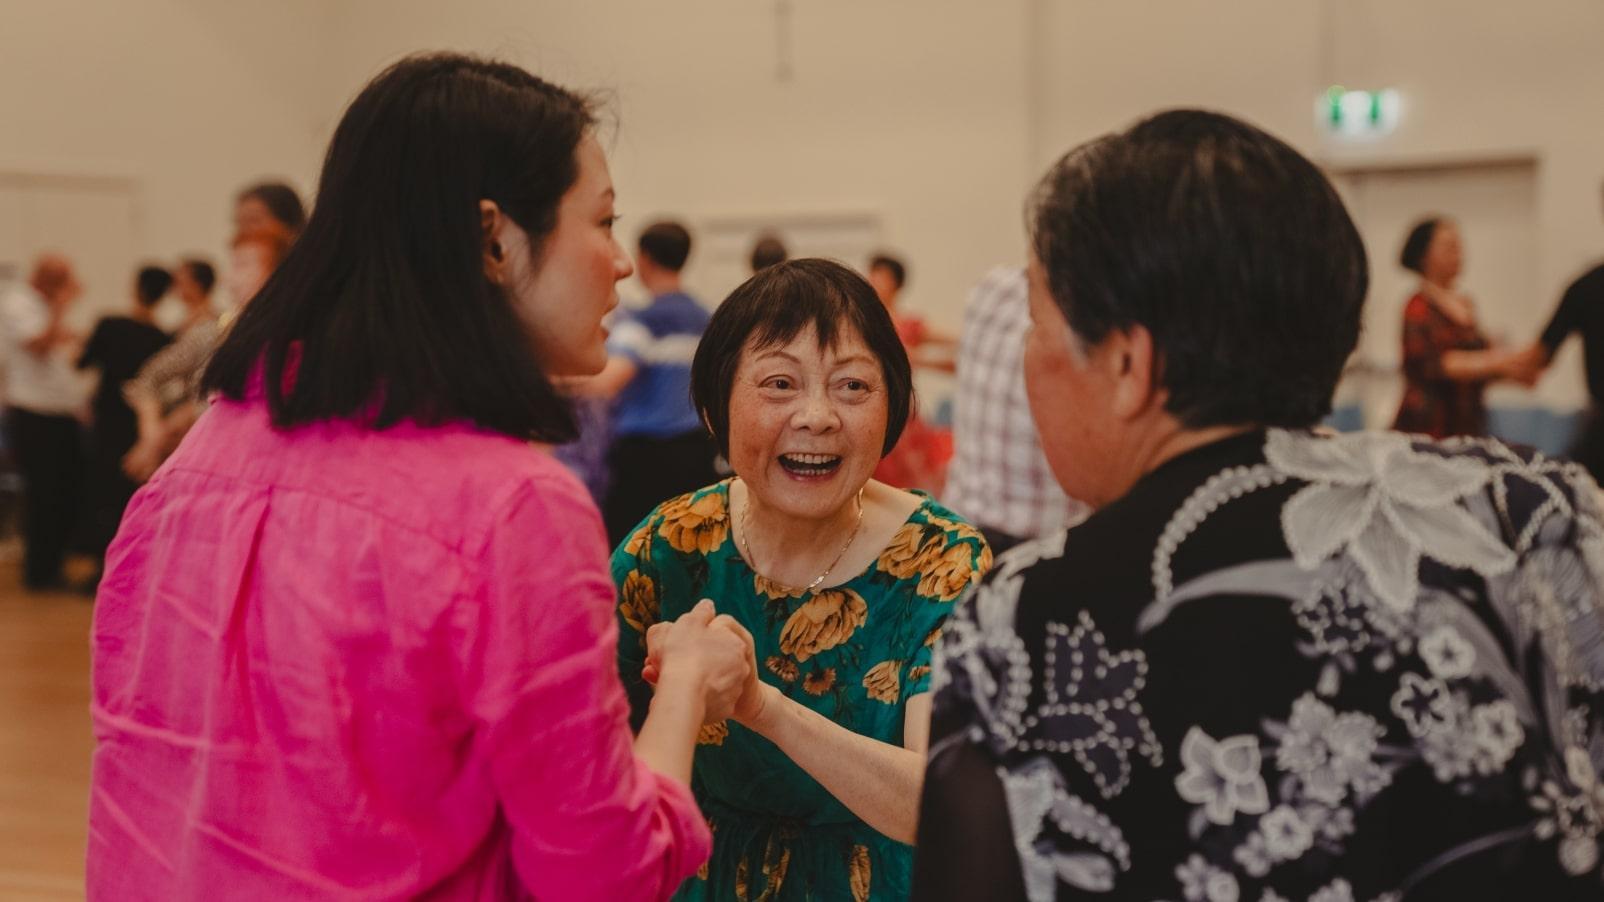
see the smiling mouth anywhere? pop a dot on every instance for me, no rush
(810, 464)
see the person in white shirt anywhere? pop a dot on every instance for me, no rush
(44, 400)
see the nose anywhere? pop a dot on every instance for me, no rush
(623, 267)
(816, 414)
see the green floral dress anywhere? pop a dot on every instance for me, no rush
(855, 653)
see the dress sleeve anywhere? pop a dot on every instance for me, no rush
(640, 595)
(588, 819)
(1567, 318)
(1422, 352)
(94, 351)
(960, 564)
(965, 847)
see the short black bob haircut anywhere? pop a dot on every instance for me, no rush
(667, 243)
(772, 308)
(202, 271)
(1230, 248)
(383, 302)
(767, 251)
(1413, 255)
(151, 284)
(898, 269)
(281, 201)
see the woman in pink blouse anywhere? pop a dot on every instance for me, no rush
(355, 638)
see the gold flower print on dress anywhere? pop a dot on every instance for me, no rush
(783, 668)
(859, 874)
(947, 572)
(904, 556)
(638, 601)
(884, 681)
(825, 621)
(695, 525)
(819, 681)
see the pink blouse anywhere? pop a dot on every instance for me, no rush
(344, 663)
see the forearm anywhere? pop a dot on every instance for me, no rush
(877, 781)
(667, 740)
(1475, 366)
(148, 412)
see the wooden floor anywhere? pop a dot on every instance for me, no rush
(45, 741)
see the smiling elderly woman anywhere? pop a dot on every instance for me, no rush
(843, 583)
(1272, 665)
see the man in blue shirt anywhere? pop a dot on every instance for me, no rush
(660, 447)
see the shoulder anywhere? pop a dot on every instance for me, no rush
(1417, 309)
(693, 524)
(942, 551)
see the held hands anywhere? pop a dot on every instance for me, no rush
(1526, 365)
(704, 651)
(743, 700)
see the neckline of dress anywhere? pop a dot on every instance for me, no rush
(926, 501)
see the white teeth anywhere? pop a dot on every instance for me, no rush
(811, 459)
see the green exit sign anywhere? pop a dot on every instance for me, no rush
(1348, 113)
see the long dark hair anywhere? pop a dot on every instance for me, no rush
(382, 310)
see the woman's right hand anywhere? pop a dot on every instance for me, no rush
(701, 650)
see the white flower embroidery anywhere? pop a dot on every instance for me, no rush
(1338, 890)
(1498, 734)
(1578, 854)
(1329, 752)
(1424, 705)
(1447, 653)
(1271, 895)
(1203, 882)
(1254, 855)
(1285, 833)
(1222, 776)
(1388, 505)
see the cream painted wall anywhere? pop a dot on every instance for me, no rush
(912, 109)
(187, 99)
(936, 115)
(1480, 80)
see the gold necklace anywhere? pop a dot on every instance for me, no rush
(746, 532)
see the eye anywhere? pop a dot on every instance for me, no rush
(611, 220)
(782, 383)
(855, 385)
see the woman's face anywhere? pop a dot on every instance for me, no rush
(1069, 400)
(563, 289)
(807, 424)
(1445, 255)
(250, 264)
(251, 215)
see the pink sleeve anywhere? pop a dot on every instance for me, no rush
(589, 821)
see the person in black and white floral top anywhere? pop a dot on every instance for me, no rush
(1274, 664)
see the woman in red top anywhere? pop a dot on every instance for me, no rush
(1447, 361)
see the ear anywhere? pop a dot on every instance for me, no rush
(1132, 363)
(491, 220)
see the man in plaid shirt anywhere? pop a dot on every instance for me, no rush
(999, 478)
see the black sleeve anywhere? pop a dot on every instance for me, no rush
(966, 848)
(1566, 319)
(93, 354)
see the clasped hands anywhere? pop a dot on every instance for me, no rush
(713, 650)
